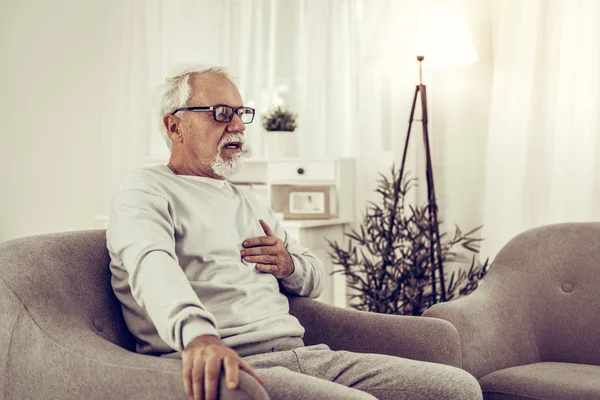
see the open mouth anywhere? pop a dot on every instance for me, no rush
(233, 146)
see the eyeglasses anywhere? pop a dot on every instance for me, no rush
(223, 113)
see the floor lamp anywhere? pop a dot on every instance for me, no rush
(435, 29)
(435, 252)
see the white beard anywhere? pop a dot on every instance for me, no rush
(226, 168)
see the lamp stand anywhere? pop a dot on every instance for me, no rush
(435, 249)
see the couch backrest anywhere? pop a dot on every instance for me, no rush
(554, 273)
(62, 278)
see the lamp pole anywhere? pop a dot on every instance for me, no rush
(435, 249)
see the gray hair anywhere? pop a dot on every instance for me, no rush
(176, 92)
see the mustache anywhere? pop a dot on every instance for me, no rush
(234, 137)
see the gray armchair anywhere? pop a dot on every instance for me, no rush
(532, 328)
(63, 336)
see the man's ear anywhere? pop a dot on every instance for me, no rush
(173, 125)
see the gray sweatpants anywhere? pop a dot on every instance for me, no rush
(294, 372)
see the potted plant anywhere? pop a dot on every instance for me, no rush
(279, 120)
(387, 263)
(279, 124)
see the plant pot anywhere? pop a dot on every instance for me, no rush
(280, 144)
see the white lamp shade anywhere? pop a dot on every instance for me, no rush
(436, 30)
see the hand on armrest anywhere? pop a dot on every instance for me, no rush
(206, 361)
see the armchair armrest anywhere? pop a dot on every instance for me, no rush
(79, 364)
(494, 333)
(418, 338)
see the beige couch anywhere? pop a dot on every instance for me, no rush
(62, 334)
(532, 329)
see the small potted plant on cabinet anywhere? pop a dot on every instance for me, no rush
(280, 140)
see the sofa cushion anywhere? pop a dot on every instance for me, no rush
(545, 380)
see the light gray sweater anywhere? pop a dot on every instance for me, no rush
(175, 242)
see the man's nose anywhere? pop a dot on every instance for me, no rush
(236, 124)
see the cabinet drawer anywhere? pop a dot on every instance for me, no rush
(302, 171)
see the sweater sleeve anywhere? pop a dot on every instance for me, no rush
(307, 278)
(141, 235)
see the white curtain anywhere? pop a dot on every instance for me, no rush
(126, 115)
(299, 53)
(542, 157)
(308, 55)
(514, 137)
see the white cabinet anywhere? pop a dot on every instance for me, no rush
(268, 178)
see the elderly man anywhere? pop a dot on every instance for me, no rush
(197, 266)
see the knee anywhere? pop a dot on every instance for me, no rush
(409, 379)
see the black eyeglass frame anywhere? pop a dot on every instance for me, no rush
(214, 112)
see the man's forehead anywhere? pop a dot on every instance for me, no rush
(212, 86)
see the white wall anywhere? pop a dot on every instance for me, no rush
(51, 97)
